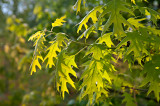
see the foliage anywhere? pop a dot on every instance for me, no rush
(114, 61)
(99, 72)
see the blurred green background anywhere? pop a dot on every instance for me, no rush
(19, 19)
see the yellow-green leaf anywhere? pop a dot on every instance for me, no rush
(154, 15)
(63, 69)
(106, 38)
(35, 36)
(87, 33)
(136, 46)
(134, 2)
(154, 86)
(54, 48)
(93, 79)
(35, 63)
(52, 54)
(136, 22)
(39, 47)
(59, 22)
(78, 5)
(96, 52)
(93, 15)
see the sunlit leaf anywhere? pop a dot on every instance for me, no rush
(96, 52)
(93, 15)
(63, 69)
(54, 48)
(96, 75)
(78, 5)
(133, 1)
(87, 33)
(35, 63)
(59, 22)
(39, 47)
(93, 80)
(136, 22)
(106, 38)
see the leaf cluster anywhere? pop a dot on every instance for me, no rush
(117, 38)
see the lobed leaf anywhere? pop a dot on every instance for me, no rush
(154, 15)
(128, 99)
(152, 72)
(96, 74)
(93, 80)
(54, 48)
(59, 22)
(35, 63)
(93, 15)
(114, 7)
(78, 5)
(136, 22)
(96, 51)
(63, 69)
(136, 45)
(39, 46)
(106, 38)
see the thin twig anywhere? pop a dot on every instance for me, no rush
(80, 42)
(80, 50)
(134, 95)
(135, 88)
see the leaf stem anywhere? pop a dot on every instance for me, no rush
(80, 50)
(80, 42)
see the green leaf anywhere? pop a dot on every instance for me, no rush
(96, 51)
(136, 22)
(115, 7)
(128, 99)
(154, 15)
(150, 38)
(154, 86)
(87, 33)
(96, 77)
(153, 30)
(150, 12)
(54, 48)
(93, 80)
(136, 45)
(63, 69)
(93, 15)
(152, 75)
(106, 38)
